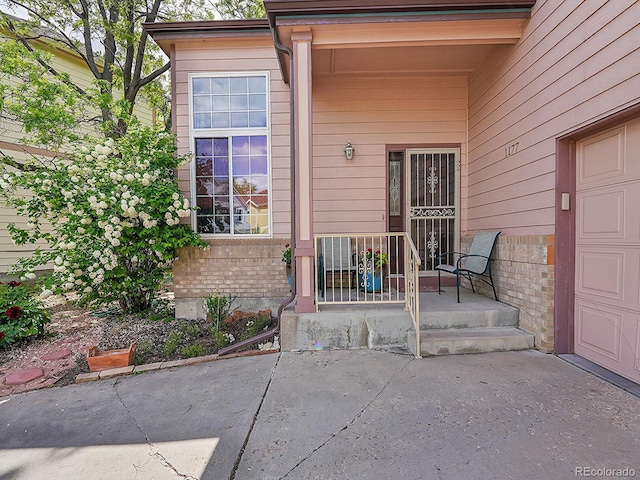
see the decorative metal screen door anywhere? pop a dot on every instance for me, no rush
(433, 182)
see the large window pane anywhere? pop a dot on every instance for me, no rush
(257, 84)
(221, 120)
(239, 102)
(202, 120)
(201, 85)
(259, 165)
(241, 166)
(257, 119)
(201, 103)
(204, 167)
(239, 119)
(258, 145)
(239, 85)
(220, 103)
(220, 85)
(231, 171)
(258, 102)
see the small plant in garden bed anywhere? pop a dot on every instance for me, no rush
(21, 314)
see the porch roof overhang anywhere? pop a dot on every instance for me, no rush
(413, 36)
(167, 33)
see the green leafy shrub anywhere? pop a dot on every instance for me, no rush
(21, 314)
(254, 327)
(181, 338)
(193, 350)
(173, 343)
(114, 209)
(223, 338)
(218, 307)
(143, 351)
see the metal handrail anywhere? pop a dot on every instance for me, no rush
(366, 261)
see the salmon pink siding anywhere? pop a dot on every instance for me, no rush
(249, 268)
(577, 62)
(373, 112)
(231, 56)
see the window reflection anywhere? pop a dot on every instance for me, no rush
(232, 187)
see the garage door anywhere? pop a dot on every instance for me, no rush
(607, 289)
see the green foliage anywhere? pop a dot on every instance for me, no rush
(143, 351)
(240, 8)
(286, 254)
(218, 307)
(254, 327)
(223, 338)
(194, 350)
(126, 65)
(172, 343)
(114, 212)
(49, 108)
(21, 314)
(180, 339)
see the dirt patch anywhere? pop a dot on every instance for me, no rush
(159, 336)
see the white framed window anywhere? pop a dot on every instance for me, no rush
(231, 176)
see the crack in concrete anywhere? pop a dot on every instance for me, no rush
(236, 464)
(154, 452)
(350, 422)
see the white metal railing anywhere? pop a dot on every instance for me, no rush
(368, 269)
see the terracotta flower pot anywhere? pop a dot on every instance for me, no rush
(110, 358)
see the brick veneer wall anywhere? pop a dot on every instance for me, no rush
(250, 269)
(523, 272)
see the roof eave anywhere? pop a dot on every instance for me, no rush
(282, 8)
(166, 33)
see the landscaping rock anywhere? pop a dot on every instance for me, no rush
(57, 355)
(23, 376)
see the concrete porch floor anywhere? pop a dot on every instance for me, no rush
(380, 326)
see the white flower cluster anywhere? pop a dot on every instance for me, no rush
(177, 210)
(97, 200)
(99, 153)
(6, 181)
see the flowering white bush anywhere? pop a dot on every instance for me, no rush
(114, 210)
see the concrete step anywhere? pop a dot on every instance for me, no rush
(473, 311)
(453, 341)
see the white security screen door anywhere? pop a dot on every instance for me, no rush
(432, 197)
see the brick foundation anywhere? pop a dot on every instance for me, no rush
(250, 269)
(523, 272)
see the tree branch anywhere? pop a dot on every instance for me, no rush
(155, 74)
(24, 41)
(90, 59)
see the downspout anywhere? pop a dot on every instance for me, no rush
(292, 153)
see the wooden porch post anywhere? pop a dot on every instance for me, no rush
(304, 248)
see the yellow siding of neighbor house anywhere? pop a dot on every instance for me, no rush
(373, 112)
(576, 63)
(10, 135)
(242, 55)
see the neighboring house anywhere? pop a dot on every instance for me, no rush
(521, 116)
(11, 133)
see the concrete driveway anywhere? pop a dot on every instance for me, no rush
(329, 415)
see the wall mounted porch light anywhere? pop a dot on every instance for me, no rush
(348, 150)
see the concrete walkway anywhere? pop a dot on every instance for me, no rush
(328, 415)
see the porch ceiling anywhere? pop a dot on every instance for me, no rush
(446, 59)
(376, 47)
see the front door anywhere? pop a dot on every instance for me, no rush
(432, 214)
(607, 288)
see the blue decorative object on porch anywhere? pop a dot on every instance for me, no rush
(369, 277)
(370, 282)
(476, 262)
